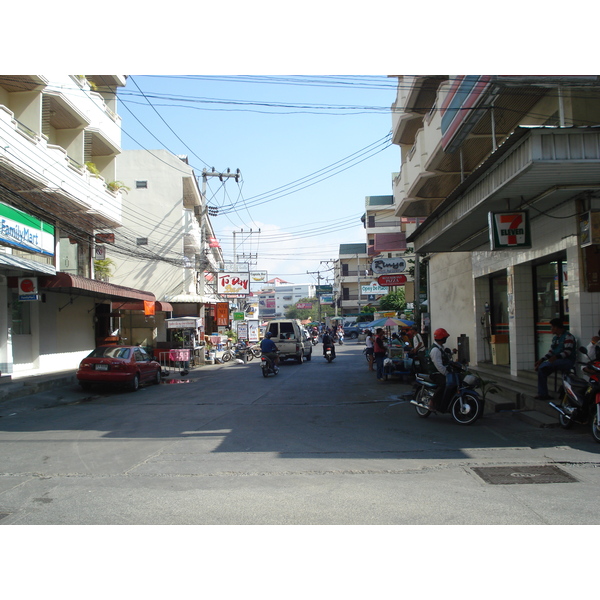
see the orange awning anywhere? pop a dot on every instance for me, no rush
(160, 306)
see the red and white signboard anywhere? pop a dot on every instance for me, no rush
(28, 288)
(391, 280)
(233, 283)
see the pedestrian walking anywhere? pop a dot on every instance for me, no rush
(369, 348)
(379, 352)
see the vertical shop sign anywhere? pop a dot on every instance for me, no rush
(222, 314)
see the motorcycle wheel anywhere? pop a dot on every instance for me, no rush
(256, 352)
(226, 356)
(265, 372)
(422, 409)
(565, 422)
(469, 412)
(249, 356)
(595, 431)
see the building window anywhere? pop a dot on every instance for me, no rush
(345, 293)
(141, 185)
(344, 269)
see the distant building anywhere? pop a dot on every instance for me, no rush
(274, 301)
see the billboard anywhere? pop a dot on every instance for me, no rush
(233, 283)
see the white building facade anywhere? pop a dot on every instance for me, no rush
(59, 139)
(169, 243)
(502, 171)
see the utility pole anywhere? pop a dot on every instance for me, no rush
(235, 256)
(318, 274)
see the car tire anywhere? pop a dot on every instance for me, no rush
(135, 383)
(309, 357)
(157, 378)
(353, 335)
(300, 357)
(85, 385)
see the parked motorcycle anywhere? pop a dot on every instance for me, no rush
(465, 405)
(239, 350)
(329, 355)
(580, 402)
(268, 366)
(256, 351)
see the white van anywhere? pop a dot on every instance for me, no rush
(291, 339)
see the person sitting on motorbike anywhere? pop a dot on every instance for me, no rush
(560, 357)
(328, 342)
(269, 349)
(440, 359)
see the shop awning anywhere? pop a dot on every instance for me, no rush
(16, 262)
(82, 286)
(159, 306)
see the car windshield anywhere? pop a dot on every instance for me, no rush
(110, 352)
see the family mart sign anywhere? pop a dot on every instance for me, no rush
(509, 230)
(20, 230)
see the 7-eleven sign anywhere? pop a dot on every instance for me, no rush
(509, 230)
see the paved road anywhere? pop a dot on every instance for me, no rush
(318, 444)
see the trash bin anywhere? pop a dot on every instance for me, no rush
(500, 351)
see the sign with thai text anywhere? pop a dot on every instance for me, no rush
(233, 283)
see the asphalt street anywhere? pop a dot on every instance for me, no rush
(320, 444)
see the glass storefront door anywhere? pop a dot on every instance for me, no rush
(551, 299)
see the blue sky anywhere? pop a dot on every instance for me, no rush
(309, 150)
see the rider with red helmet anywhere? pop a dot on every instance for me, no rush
(439, 360)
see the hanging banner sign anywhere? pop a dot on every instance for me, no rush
(391, 280)
(28, 289)
(509, 230)
(233, 283)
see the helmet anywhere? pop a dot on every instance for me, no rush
(268, 334)
(440, 334)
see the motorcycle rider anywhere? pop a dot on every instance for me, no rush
(328, 342)
(269, 349)
(439, 359)
(560, 357)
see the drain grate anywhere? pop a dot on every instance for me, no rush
(512, 475)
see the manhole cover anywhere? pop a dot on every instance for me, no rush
(510, 475)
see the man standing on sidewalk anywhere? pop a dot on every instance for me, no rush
(560, 357)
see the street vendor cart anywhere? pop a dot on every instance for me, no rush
(183, 348)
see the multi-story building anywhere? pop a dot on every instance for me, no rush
(166, 243)
(274, 301)
(355, 281)
(503, 171)
(59, 141)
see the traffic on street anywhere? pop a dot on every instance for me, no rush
(322, 443)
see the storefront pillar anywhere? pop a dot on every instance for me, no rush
(521, 318)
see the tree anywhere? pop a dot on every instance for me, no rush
(395, 301)
(312, 313)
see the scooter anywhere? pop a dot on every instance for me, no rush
(465, 405)
(329, 355)
(268, 366)
(581, 399)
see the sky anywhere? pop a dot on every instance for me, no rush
(309, 150)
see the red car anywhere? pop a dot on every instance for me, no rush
(128, 365)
